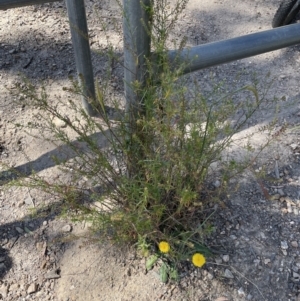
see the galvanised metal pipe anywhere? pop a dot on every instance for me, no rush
(216, 53)
(137, 43)
(6, 4)
(82, 52)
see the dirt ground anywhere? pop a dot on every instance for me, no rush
(257, 228)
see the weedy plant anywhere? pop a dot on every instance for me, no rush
(148, 184)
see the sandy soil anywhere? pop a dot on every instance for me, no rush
(50, 258)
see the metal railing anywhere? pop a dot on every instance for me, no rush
(199, 57)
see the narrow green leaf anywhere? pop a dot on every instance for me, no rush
(173, 273)
(28, 231)
(163, 273)
(151, 261)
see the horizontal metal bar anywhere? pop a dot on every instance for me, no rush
(221, 52)
(6, 4)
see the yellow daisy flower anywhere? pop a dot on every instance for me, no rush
(198, 260)
(164, 247)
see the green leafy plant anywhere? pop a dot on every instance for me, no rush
(147, 183)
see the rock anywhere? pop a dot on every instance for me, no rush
(39, 245)
(4, 241)
(295, 268)
(4, 290)
(66, 228)
(51, 275)
(43, 264)
(32, 288)
(28, 201)
(228, 274)
(275, 197)
(2, 259)
(20, 204)
(294, 146)
(19, 230)
(262, 235)
(280, 191)
(59, 123)
(241, 292)
(296, 276)
(13, 287)
(284, 245)
(217, 183)
(294, 244)
(225, 258)
(267, 261)
(218, 260)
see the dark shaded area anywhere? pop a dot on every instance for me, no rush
(31, 223)
(47, 213)
(49, 159)
(5, 262)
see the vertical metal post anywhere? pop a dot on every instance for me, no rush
(136, 50)
(79, 32)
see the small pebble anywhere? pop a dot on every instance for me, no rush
(294, 244)
(284, 245)
(218, 260)
(51, 275)
(66, 228)
(4, 290)
(20, 204)
(225, 258)
(19, 230)
(228, 274)
(267, 260)
(28, 201)
(296, 275)
(241, 292)
(217, 184)
(32, 288)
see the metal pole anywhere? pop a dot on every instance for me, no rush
(6, 4)
(136, 50)
(216, 53)
(79, 32)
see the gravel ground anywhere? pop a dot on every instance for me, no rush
(43, 257)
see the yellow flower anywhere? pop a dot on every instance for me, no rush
(198, 260)
(164, 247)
